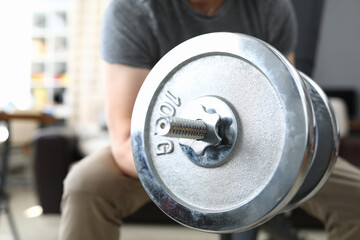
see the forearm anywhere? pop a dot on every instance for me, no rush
(119, 130)
(122, 86)
(291, 58)
(123, 156)
(120, 140)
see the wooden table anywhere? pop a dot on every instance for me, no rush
(43, 119)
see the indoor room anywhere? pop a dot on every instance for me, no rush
(180, 119)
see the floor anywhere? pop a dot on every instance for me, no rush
(32, 225)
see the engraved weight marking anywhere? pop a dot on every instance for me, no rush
(167, 109)
(164, 147)
(172, 98)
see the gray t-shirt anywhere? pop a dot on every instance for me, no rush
(139, 32)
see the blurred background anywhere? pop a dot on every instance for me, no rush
(51, 93)
(52, 114)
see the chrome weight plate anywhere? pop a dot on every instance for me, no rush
(327, 144)
(270, 155)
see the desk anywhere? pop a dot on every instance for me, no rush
(42, 118)
(354, 125)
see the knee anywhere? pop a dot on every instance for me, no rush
(92, 174)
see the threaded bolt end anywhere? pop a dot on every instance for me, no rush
(182, 128)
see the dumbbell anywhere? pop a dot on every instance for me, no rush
(226, 133)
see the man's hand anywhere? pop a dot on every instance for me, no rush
(122, 86)
(291, 58)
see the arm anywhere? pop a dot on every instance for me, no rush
(122, 86)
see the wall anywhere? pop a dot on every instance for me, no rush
(338, 56)
(86, 75)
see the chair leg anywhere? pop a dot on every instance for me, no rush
(248, 235)
(225, 236)
(5, 207)
(4, 201)
(12, 225)
(280, 228)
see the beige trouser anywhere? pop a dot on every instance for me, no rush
(97, 196)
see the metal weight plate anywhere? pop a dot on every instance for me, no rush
(327, 144)
(275, 134)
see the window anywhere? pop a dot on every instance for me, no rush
(15, 42)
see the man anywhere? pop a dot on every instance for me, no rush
(104, 188)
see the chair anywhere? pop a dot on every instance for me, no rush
(279, 228)
(4, 199)
(9, 119)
